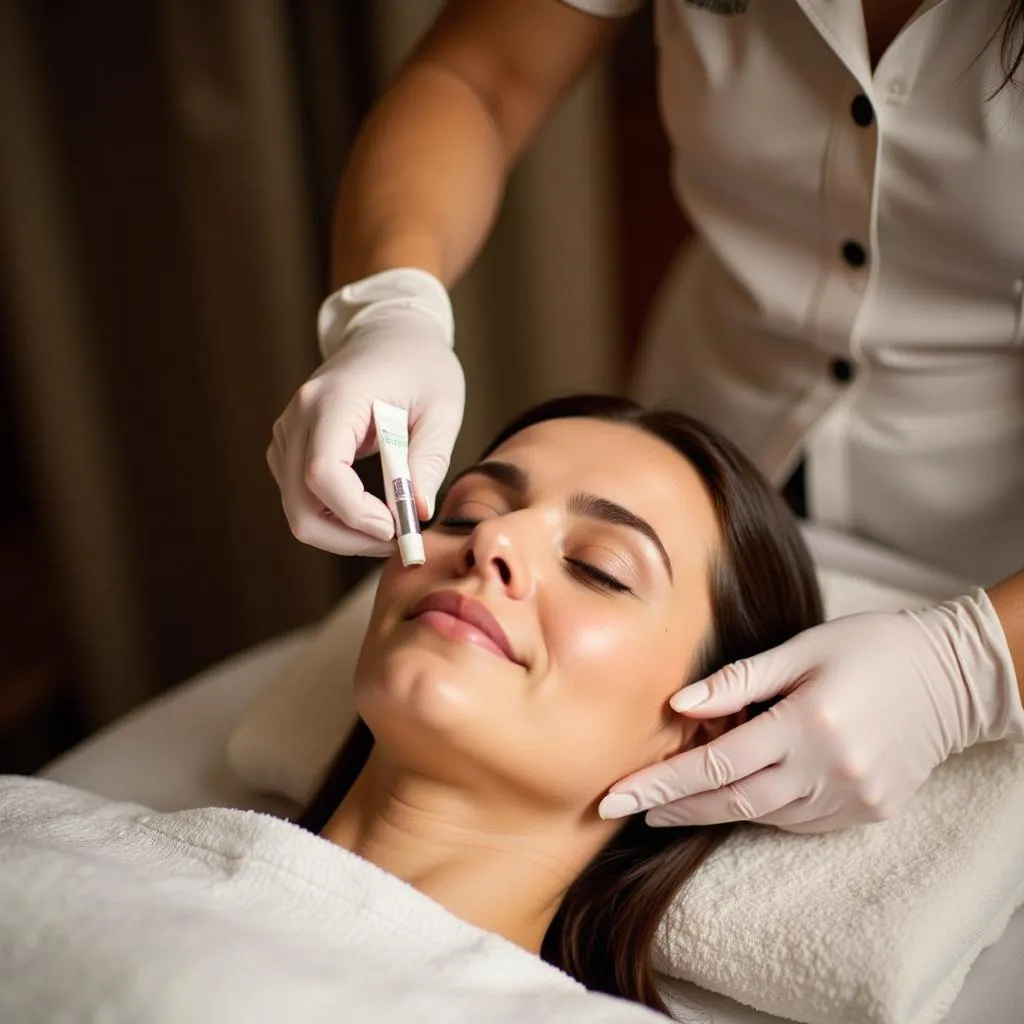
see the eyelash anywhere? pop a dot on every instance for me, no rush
(594, 576)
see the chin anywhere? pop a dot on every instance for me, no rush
(436, 678)
(440, 716)
(427, 690)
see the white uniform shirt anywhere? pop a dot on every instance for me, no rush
(856, 296)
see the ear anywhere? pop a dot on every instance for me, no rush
(711, 728)
(684, 733)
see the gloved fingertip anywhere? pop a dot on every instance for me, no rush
(380, 528)
(690, 697)
(618, 805)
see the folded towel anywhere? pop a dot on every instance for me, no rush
(873, 925)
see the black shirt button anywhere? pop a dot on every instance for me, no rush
(854, 254)
(861, 110)
(843, 370)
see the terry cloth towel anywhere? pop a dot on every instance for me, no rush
(869, 925)
(111, 912)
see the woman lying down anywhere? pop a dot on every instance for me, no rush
(454, 866)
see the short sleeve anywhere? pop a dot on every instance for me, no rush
(607, 8)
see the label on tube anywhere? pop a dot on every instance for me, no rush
(392, 425)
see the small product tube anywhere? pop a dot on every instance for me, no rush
(392, 426)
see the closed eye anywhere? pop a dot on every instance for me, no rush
(598, 576)
(459, 524)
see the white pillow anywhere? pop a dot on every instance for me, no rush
(288, 738)
(289, 735)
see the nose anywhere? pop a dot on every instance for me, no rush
(493, 552)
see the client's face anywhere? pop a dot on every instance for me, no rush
(563, 600)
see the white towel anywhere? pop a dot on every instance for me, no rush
(110, 912)
(870, 925)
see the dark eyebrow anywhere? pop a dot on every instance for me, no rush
(593, 507)
(588, 505)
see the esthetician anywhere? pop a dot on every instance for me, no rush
(852, 315)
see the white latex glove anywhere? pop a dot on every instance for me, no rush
(389, 337)
(872, 704)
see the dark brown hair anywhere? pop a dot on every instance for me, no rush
(1011, 45)
(763, 591)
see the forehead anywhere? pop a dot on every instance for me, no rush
(625, 464)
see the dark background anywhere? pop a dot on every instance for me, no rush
(162, 251)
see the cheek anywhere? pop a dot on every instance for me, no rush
(402, 587)
(398, 591)
(598, 650)
(609, 682)
(583, 643)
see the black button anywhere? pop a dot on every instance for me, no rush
(854, 254)
(861, 110)
(843, 370)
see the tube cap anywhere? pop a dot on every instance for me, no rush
(410, 547)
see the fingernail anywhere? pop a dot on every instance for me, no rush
(690, 697)
(618, 805)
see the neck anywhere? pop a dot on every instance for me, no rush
(498, 864)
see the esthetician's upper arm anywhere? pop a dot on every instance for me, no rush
(519, 56)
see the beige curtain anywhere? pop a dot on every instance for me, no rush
(166, 172)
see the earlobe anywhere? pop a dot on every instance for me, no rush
(682, 733)
(711, 728)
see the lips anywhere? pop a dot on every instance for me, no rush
(471, 613)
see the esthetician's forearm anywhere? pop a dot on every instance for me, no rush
(1008, 600)
(423, 184)
(425, 180)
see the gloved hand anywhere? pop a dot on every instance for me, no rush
(389, 337)
(872, 704)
